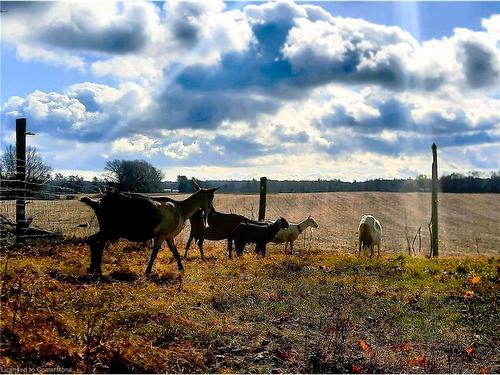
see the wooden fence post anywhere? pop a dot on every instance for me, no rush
(262, 201)
(435, 185)
(21, 180)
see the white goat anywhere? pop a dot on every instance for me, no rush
(290, 234)
(370, 233)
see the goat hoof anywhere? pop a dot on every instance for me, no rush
(94, 271)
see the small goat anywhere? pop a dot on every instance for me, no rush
(220, 227)
(290, 234)
(370, 233)
(260, 233)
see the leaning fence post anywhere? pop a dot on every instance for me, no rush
(262, 201)
(21, 180)
(434, 221)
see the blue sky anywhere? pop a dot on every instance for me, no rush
(349, 90)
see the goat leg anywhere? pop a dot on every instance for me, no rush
(200, 246)
(230, 247)
(263, 250)
(240, 246)
(156, 246)
(173, 249)
(97, 244)
(260, 248)
(188, 244)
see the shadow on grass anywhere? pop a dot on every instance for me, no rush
(87, 279)
(167, 278)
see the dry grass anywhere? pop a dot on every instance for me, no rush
(317, 312)
(468, 222)
(321, 311)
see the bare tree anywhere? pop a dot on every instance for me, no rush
(36, 169)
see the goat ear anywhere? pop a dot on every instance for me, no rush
(195, 184)
(309, 217)
(215, 188)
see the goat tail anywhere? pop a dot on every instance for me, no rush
(90, 202)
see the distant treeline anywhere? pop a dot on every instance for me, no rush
(453, 183)
(68, 186)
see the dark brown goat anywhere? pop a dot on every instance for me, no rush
(220, 227)
(260, 233)
(139, 218)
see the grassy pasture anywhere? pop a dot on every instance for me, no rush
(321, 310)
(314, 312)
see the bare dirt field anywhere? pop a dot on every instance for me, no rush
(469, 223)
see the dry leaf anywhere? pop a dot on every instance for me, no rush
(475, 279)
(402, 347)
(417, 361)
(329, 331)
(469, 294)
(469, 350)
(364, 346)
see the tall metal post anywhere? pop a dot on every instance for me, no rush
(262, 201)
(435, 186)
(21, 180)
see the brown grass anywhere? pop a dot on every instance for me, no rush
(321, 311)
(316, 312)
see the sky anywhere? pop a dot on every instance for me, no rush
(239, 90)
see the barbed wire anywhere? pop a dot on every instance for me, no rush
(337, 217)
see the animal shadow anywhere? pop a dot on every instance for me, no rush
(87, 279)
(167, 278)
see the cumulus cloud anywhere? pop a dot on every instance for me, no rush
(179, 150)
(251, 85)
(85, 111)
(380, 122)
(105, 27)
(479, 57)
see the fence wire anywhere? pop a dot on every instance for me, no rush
(338, 214)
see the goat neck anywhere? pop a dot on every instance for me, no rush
(276, 224)
(192, 204)
(302, 226)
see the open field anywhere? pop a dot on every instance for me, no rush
(322, 310)
(314, 312)
(468, 222)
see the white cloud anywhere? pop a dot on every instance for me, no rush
(139, 144)
(179, 150)
(258, 89)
